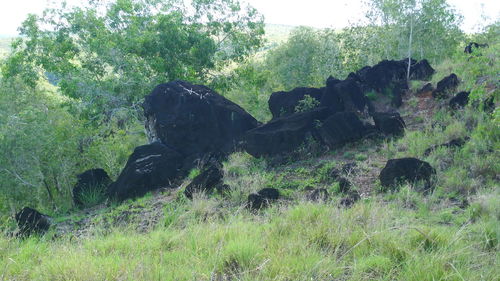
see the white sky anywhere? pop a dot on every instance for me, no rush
(316, 13)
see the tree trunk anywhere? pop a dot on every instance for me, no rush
(409, 49)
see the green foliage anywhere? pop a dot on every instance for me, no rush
(306, 59)
(92, 195)
(111, 54)
(306, 104)
(432, 25)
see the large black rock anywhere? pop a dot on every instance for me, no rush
(341, 128)
(150, 167)
(410, 170)
(422, 70)
(445, 86)
(94, 179)
(284, 103)
(387, 75)
(30, 221)
(384, 84)
(344, 95)
(389, 123)
(459, 100)
(284, 134)
(194, 119)
(208, 180)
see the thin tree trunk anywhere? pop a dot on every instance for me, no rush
(46, 184)
(409, 49)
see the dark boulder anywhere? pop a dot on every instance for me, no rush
(410, 170)
(194, 119)
(263, 198)
(350, 198)
(341, 128)
(91, 180)
(331, 81)
(389, 123)
(459, 100)
(207, 181)
(317, 194)
(421, 70)
(473, 45)
(285, 103)
(269, 193)
(30, 221)
(344, 95)
(427, 88)
(386, 75)
(150, 167)
(284, 134)
(454, 143)
(445, 86)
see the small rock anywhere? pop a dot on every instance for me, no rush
(427, 88)
(206, 181)
(389, 123)
(30, 221)
(454, 143)
(319, 194)
(344, 185)
(459, 100)
(445, 86)
(406, 169)
(350, 199)
(263, 198)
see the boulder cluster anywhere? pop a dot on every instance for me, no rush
(192, 126)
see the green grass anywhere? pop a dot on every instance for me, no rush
(306, 241)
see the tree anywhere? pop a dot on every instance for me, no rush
(307, 58)
(419, 28)
(109, 55)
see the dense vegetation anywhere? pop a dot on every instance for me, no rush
(70, 95)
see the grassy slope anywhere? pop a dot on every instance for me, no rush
(451, 234)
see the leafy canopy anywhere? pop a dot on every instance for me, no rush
(109, 54)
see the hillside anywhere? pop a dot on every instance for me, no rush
(405, 234)
(141, 142)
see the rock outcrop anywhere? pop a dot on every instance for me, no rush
(194, 119)
(344, 95)
(284, 134)
(341, 128)
(150, 167)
